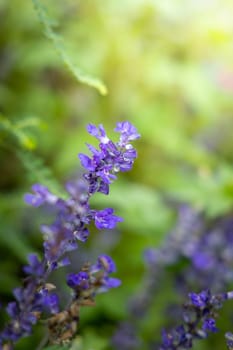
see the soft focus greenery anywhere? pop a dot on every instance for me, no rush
(166, 66)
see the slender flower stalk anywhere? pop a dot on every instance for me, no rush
(36, 298)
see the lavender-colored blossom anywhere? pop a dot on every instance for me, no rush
(209, 325)
(110, 282)
(95, 278)
(104, 219)
(203, 260)
(41, 195)
(74, 214)
(35, 267)
(200, 300)
(175, 338)
(50, 301)
(98, 132)
(105, 262)
(112, 157)
(58, 241)
(80, 279)
(24, 312)
(128, 132)
(212, 258)
(85, 285)
(86, 162)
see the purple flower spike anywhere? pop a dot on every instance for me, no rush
(104, 219)
(52, 302)
(73, 215)
(112, 157)
(200, 322)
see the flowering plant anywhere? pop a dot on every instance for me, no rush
(38, 300)
(38, 297)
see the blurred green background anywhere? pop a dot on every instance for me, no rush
(166, 66)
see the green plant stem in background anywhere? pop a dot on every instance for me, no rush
(79, 74)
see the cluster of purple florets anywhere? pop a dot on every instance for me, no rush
(199, 316)
(111, 158)
(37, 297)
(97, 274)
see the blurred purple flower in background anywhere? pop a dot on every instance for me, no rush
(202, 251)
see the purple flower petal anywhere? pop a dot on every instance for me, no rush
(86, 162)
(104, 219)
(105, 262)
(209, 324)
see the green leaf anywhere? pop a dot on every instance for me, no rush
(16, 244)
(79, 74)
(37, 171)
(19, 130)
(90, 340)
(56, 347)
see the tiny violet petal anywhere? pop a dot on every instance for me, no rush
(33, 200)
(86, 162)
(209, 324)
(104, 219)
(92, 130)
(105, 262)
(111, 282)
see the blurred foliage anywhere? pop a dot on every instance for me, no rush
(168, 68)
(82, 77)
